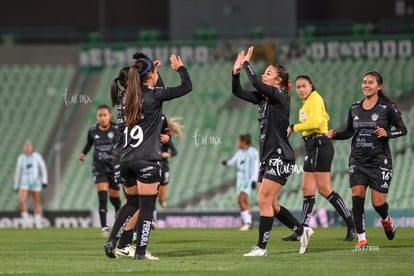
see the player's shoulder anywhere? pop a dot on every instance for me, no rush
(36, 154)
(94, 127)
(385, 104)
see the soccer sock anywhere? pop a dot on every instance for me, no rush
(265, 226)
(289, 220)
(146, 208)
(339, 205)
(126, 239)
(362, 237)
(248, 217)
(154, 215)
(307, 209)
(358, 212)
(38, 221)
(124, 216)
(25, 218)
(103, 207)
(116, 202)
(382, 210)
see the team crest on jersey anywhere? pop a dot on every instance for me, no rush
(111, 135)
(374, 116)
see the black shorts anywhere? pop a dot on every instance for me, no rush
(319, 154)
(276, 169)
(142, 171)
(377, 178)
(102, 176)
(165, 177)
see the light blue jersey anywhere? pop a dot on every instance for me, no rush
(30, 172)
(247, 163)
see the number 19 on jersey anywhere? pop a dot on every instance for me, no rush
(135, 134)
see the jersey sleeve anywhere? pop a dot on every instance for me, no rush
(173, 150)
(264, 89)
(43, 168)
(169, 93)
(233, 160)
(348, 132)
(89, 143)
(250, 96)
(17, 173)
(396, 120)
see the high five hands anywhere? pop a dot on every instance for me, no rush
(241, 58)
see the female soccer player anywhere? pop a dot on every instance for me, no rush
(313, 124)
(103, 135)
(276, 155)
(370, 124)
(141, 147)
(168, 150)
(247, 161)
(27, 179)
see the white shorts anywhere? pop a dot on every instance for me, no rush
(34, 186)
(244, 186)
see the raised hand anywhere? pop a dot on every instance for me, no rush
(157, 64)
(238, 64)
(176, 62)
(248, 55)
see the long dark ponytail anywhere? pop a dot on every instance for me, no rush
(381, 93)
(138, 73)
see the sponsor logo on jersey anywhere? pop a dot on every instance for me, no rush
(384, 186)
(111, 135)
(356, 118)
(302, 115)
(96, 136)
(147, 169)
(385, 161)
(279, 151)
(374, 116)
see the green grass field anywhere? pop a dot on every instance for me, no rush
(204, 252)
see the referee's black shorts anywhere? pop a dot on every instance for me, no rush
(319, 153)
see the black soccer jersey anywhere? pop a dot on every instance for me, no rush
(367, 148)
(103, 140)
(273, 107)
(142, 142)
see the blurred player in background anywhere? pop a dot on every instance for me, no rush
(246, 160)
(371, 123)
(141, 147)
(313, 124)
(277, 158)
(167, 150)
(30, 177)
(103, 136)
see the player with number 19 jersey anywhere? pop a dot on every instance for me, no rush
(139, 141)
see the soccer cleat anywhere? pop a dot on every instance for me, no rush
(147, 256)
(153, 225)
(109, 248)
(128, 251)
(362, 244)
(389, 228)
(105, 232)
(256, 252)
(293, 237)
(246, 227)
(350, 235)
(304, 240)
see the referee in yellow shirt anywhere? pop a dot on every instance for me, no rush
(314, 118)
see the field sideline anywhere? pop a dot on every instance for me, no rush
(205, 252)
